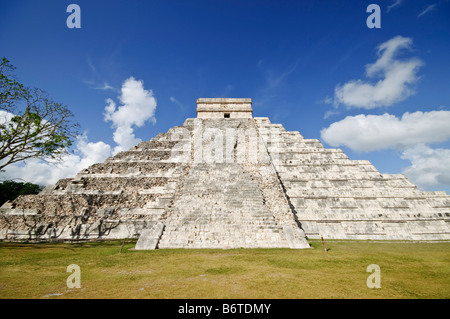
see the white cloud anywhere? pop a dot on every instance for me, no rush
(90, 153)
(429, 167)
(408, 134)
(429, 8)
(5, 117)
(394, 86)
(124, 137)
(376, 132)
(47, 173)
(137, 107)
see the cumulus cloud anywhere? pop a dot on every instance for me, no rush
(5, 117)
(47, 173)
(408, 134)
(137, 107)
(375, 132)
(429, 167)
(395, 77)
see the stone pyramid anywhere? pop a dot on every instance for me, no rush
(227, 180)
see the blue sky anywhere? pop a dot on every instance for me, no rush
(304, 64)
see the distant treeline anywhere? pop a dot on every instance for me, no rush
(10, 190)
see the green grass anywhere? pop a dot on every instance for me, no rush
(408, 270)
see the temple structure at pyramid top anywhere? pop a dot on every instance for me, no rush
(224, 108)
(227, 179)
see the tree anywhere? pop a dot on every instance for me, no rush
(32, 125)
(10, 190)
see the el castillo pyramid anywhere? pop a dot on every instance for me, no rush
(227, 179)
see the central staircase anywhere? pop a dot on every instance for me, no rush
(221, 206)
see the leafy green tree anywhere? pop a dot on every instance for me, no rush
(32, 125)
(10, 190)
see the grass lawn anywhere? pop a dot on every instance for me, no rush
(408, 270)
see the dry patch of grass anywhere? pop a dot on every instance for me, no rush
(408, 270)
